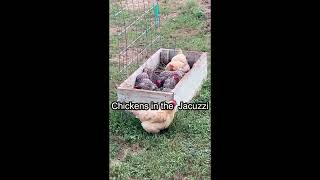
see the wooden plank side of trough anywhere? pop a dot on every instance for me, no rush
(142, 96)
(191, 82)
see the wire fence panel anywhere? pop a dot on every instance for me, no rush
(134, 31)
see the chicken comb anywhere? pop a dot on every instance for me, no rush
(174, 102)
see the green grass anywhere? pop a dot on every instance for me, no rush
(183, 150)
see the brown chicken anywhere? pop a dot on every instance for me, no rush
(146, 84)
(175, 65)
(153, 121)
(171, 82)
(179, 61)
(180, 57)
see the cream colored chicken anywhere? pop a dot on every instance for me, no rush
(153, 121)
(179, 61)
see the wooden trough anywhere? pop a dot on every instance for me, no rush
(184, 91)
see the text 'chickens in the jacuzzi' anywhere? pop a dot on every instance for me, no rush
(156, 106)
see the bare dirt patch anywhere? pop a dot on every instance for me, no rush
(133, 56)
(186, 31)
(169, 16)
(179, 176)
(114, 30)
(134, 5)
(135, 148)
(175, 5)
(206, 6)
(125, 150)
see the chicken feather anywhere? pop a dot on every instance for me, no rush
(153, 121)
(179, 61)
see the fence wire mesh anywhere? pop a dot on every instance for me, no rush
(134, 31)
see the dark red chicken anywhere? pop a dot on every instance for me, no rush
(171, 82)
(166, 74)
(142, 76)
(146, 84)
(153, 77)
